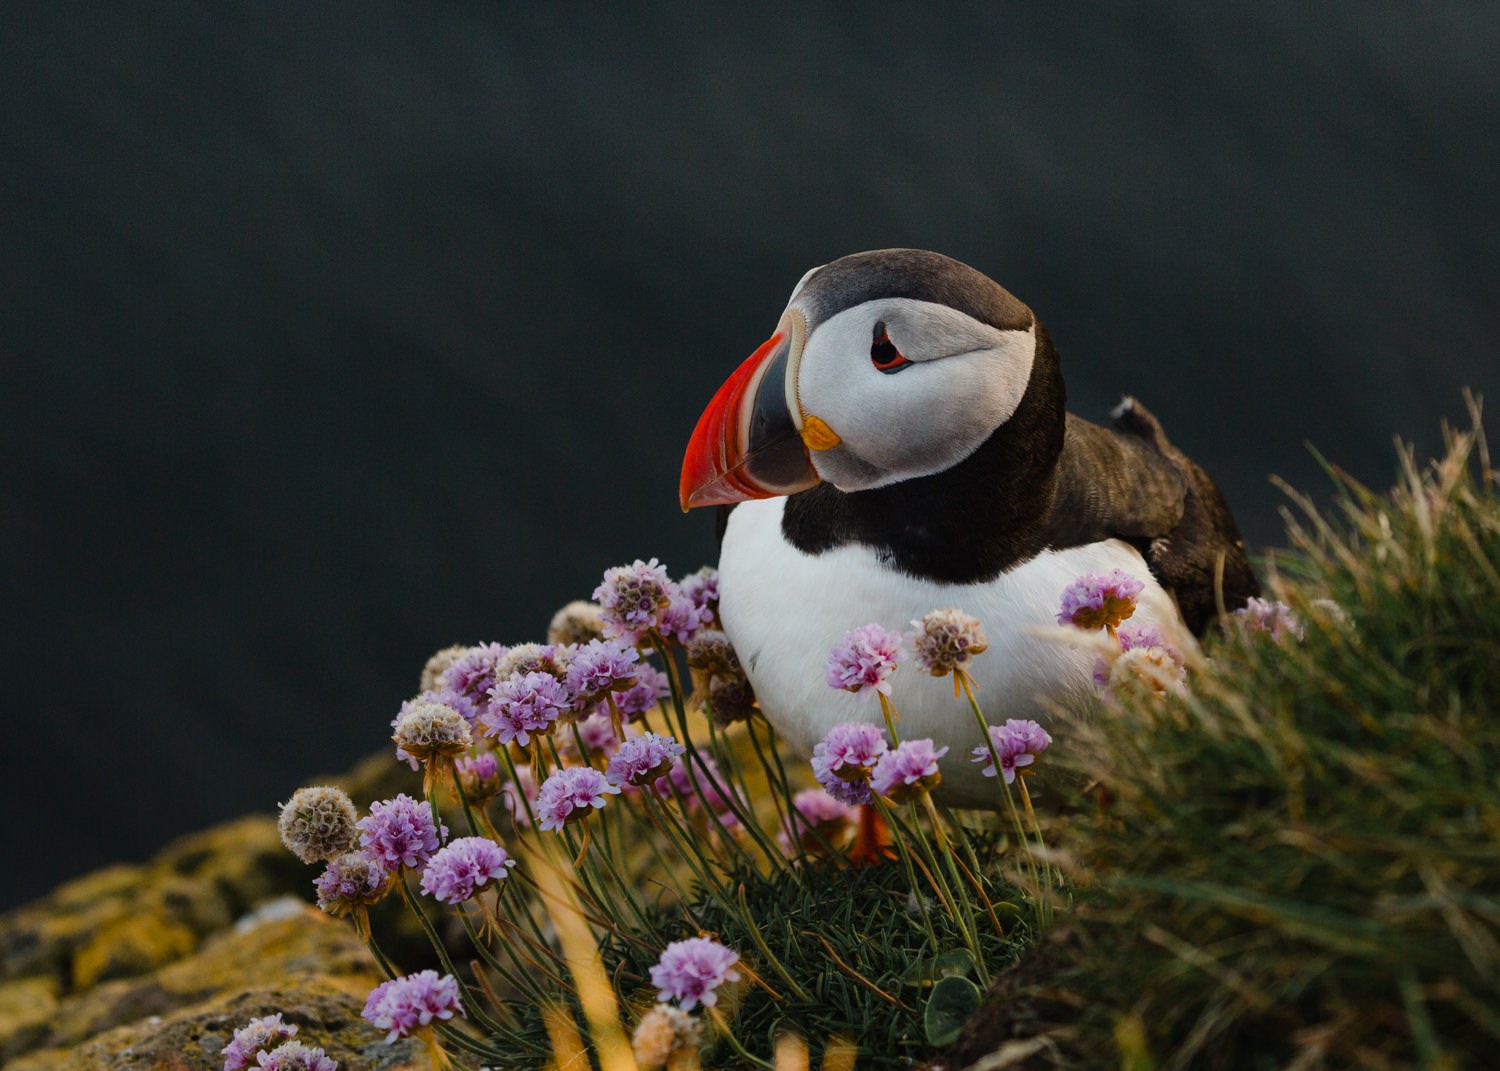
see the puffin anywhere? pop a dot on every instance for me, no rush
(901, 444)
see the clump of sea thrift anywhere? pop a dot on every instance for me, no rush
(1018, 743)
(463, 867)
(666, 1035)
(691, 971)
(317, 823)
(523, 705)
(1100, 600)
(350, 882)
(702, 590)
(946, 641)
(818, 819)
(632, 599)
(404, 1005)
(651, 686)
(1264, 616)
(682, 619)
(571, 795)
(295, 1056)
(400, 832)
(466, 683)
(258, 1035)
(907, 770)
(864, 660)
(599, 668)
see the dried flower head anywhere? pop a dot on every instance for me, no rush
(576, 623)
(1146, 671)
(1018, 743)
(571, 795)
(819, 819)
(403, 1005)
(642, 759)
(711, 652)
(731, 700)
(400, 832)
(480, 777)
(1130, 637)
(317, 823)
(690, 971)
(600, 667)
(526, 658)
(463, 867)
(947, 640)
(907, 770)
(522, 705)
(351, 881)
(295, 1056)
(1099, 600)
(665, 1033)
(255, 1036)
(1264, 616)
(632, 598)
(864, 659)
(429, 731)
(438, 665)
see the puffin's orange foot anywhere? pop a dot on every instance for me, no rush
(872, 842)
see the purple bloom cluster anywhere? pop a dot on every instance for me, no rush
(643, 759)
(1099, 600)
(907, 770)
(683, 618)
(570, 795)
(480, 776)
(295, 1056)
(632, 599)
(601, 667)
(522, 705)
(844, 760)
(400, 832)
(865, 658)
(405, 1004)
(350, 881)
(1262, 615)
(598, 734)
(690, 971)
(702, 590)
(463, 867)
(1018, 742)
(253, 1037)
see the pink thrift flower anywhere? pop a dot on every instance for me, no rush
(256, 1035)
(600, 667)
(466, 683)
(632, 599)
(400, 832)
(520, 706)
(650, 687)
(295, 1056)
(464, 867)
(1099, 600)
(1261, 615)
(571, 795)
(864, 659)
(1132, 637)
(403, 1005)
(690, 971)
(1018, 743)
(907, 770)
(642, 759)
(816, 814)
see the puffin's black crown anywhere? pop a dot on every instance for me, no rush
(910, 273)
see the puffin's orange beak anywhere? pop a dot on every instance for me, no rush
(748, 442)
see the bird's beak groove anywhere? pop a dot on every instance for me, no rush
(749, 442)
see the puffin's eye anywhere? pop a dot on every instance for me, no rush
(883, 352)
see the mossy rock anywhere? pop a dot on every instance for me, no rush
(130, 945)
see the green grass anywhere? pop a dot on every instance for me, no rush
(1297, 865)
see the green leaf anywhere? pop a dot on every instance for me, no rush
(925, 972)
(953, 1000)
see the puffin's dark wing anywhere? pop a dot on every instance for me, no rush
(1132, 483)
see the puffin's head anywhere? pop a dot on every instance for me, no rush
(886, 366)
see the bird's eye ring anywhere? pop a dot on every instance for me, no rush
(883, 352)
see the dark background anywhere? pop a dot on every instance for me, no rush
(334, 334)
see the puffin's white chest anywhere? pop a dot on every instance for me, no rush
(784, 610)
